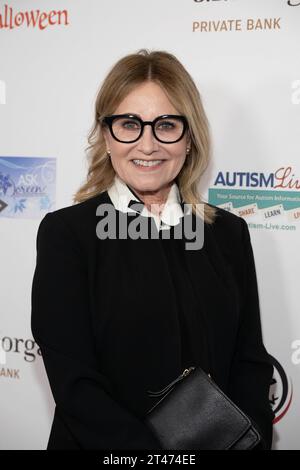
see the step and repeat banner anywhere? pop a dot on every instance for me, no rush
(244, 56)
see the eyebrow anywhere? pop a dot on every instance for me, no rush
(138, 115)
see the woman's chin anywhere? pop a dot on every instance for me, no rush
(146, 183)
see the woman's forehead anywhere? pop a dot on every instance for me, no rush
(147, 101)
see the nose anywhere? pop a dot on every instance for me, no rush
(147, 142)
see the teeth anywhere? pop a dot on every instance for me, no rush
(145, 163)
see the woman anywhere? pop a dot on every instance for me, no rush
(116, 316)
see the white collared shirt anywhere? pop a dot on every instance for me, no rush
(121, 195)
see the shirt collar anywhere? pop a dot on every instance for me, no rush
(125, 200)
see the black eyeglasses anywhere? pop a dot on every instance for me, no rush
(128, 128)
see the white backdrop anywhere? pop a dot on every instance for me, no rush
(248, 73)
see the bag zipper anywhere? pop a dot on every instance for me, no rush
(167, 388)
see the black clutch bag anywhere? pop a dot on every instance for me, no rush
(194, 414)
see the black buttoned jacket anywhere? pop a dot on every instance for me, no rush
(106, 337)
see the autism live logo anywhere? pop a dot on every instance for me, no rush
(11, 19)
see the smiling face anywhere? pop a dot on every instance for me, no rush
(147, 101)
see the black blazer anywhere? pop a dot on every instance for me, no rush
(104, 343)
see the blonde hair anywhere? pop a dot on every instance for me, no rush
(164, 69)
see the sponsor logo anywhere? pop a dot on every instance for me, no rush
(27, 348)
(9, 373)
(281, 391)
(11, 19)
(238, 24)
(276, 197)
(27, 186)
(249, 24)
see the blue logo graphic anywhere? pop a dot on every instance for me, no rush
(27, 186)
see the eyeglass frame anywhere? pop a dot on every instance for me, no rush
(109, 121)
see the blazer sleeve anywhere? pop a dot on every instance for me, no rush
(61, 325)
(252, 371)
